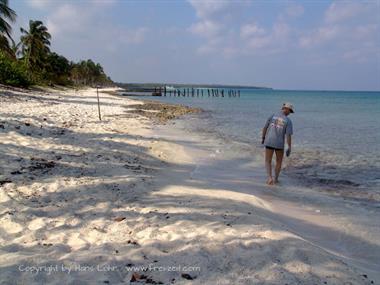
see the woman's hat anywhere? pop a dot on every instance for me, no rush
(289, 106)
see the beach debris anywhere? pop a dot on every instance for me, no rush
(119, 219)
(40, 163)
(133, 167)
(160, 111)
(187, 276)
(133, 242)
(5, 181)
(141, 277)
(135, 277)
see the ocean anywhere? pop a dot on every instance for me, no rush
(336, 141)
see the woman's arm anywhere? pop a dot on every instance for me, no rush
(264, 132)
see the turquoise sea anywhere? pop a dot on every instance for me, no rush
(336, 141)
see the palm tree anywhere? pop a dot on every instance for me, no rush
(6, 13)
(16, 52)
(35, 44)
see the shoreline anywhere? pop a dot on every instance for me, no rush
(335, 187)
(130, 193)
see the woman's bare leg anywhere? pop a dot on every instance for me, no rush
(279, 157)
(268, 165)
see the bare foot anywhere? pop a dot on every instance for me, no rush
(270, 181)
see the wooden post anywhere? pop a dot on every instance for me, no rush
(97, 95)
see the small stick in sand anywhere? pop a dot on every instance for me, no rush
(97, 95)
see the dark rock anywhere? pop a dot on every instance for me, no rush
(132, 242)
(2, 182)
(187, 276)
(136, 277)
(119, 219)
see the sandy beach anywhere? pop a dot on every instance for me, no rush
(135, 199)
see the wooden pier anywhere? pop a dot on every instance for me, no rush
(196, 92)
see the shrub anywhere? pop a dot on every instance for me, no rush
(13, 72)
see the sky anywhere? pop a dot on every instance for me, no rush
(308, 45)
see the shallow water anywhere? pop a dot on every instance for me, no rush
(336, 138)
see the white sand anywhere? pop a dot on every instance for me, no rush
(104, 199)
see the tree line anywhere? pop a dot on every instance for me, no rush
(30, 61)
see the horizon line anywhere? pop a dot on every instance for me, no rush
(247, 86)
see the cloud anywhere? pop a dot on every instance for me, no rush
(206, 28)
(343, 10)
(294, 10)
(343, 22)
(320, 36)
(207, 9)
(70, 22)
(130, 36)
(274, 41)
(349, 30)
(68, 18)
(249, 30)
(216, 25)
(39, 4)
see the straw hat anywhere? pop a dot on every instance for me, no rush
(289, 106)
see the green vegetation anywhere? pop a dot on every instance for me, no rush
(13, 72)
(32, 62)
